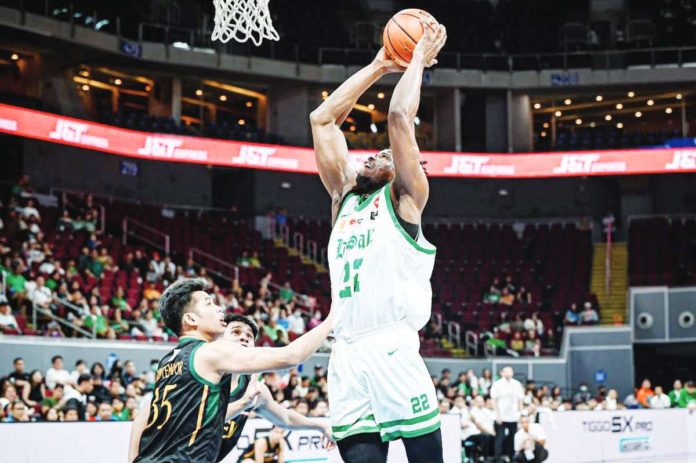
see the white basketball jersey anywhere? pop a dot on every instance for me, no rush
(379, 274)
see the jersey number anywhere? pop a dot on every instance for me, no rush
(419, 403)
(163, 404)
(353, 286)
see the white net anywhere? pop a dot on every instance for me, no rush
(242, 20)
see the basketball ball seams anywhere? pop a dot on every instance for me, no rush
(404, 30)
(391, 45)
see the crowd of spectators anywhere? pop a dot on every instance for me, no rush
(68, 287)
(114, 390)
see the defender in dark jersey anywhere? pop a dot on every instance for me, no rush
(270, 448)
(251, 395)
(192, 385)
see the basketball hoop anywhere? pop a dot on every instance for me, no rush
(242, 20)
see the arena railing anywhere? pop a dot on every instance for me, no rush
(200, 39)
(47, 313)
(198, 256)
(138, 230)
(65, 200)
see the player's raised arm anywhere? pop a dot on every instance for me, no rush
(410, 178)
(223, 356)
(329, 143)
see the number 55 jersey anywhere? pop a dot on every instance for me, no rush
(187, 412)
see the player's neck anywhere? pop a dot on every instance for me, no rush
(195, 334)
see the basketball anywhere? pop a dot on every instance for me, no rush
(402, 33)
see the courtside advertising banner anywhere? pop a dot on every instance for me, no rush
(623, 435)
(176, 148)
(107, 442)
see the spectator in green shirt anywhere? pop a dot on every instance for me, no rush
(96, 321)
(688, 395)
(675, 393)
(16, 281)
(119, 300)
(95, 266)
(286, 293)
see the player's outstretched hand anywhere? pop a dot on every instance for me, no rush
(251, 396)
(430, 43)
(329, 443)
(382, 59)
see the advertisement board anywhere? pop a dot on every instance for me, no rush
(177, 148)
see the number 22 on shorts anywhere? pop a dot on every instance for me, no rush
(353, 286)
(419, 403)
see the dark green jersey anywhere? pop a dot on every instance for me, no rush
(187, 413)
(233, 428)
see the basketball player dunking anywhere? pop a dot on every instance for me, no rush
(380, 264)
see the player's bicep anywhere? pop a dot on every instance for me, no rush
(331, 151)
(410, 176)
(228, 357)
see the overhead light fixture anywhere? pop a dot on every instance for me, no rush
(373, 128)
(223, 97)
(558, 114)
(568, 101)
(543, 133)
(380, 95)
(241, 122)
(668, 110)
(578, 121)
(84, 73)
(148, 88)
(651, 102)
(117, 81)
(537, 105)
(503, 192)
(619, 125)
(249, 104)
(639, 114)
(619, 106)
(679, 96)
(15, 56)
(599, 98)
(353, 128)
(546, 125)
(631, 94)
(607, 117)
(324, 94)
(416, 120)
(199, 92)
(85, 88)
(370, 106)
(593, 124)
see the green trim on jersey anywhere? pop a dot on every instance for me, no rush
(362, 204)
(345, 427)
(346, 198)
(398, 226)
(195, 374)
(418, 419)
(211, 407)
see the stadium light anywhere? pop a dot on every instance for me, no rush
(148, 88)
(619, 125)
(85, 88)
(619, 106)
(578, 121)
(380, 95)
(593, 125)
(241, 122)
(249, 104)
(15, 56)
(679, 96)
(118, 81)
(546, 125)
(373, 128)
(543, 133)
(631, 94)
(370, 106)
(558, 114)
(353, 128)
(607, 117)
(537, 105)
(568, 101)
(223, 97)
(416, 120)
(599, 98)
(199, 92)
(639, 114)
(651, 102)
(324, 94)
(668, 110)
